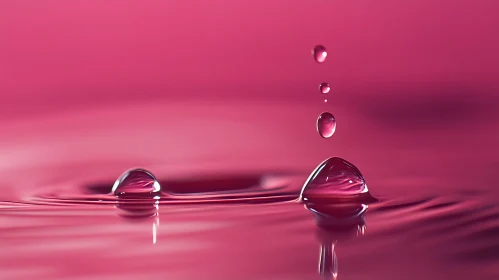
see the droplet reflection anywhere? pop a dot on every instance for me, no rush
(336, 224)
(140, 211)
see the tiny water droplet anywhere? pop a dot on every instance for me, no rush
(319, 53)
(334, 178)
(136, 183)
(325, 100)
(326, 125)
(324, 88)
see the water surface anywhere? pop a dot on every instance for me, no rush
(437, 216)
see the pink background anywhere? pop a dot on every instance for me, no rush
(59, 55)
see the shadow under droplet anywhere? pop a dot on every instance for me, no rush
(139, 209)
(200, 184)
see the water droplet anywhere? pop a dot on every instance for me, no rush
(136, 183)
(334, 178)
(325, 100)
(319, 53)
(326, 125)
(324, 88)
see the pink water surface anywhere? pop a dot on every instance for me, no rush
(197, 89)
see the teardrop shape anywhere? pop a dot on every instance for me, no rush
(335, 178)
(136, 183)
(319, 53)
(326, 125)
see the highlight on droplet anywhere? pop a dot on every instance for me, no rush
(319, 53)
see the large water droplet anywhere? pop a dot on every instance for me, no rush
(335, 178)
(136, 183)
(324, 88)
(326, 125)
(319, 53)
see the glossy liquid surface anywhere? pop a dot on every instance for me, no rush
(427, 217)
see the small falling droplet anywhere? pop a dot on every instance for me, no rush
(326, 125)
(324, 88)
(136, 183)
(334, 178)
(319, 53)
(325, 100)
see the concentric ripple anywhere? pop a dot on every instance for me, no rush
(216, 188)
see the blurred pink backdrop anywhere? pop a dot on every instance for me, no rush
(57, 55)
